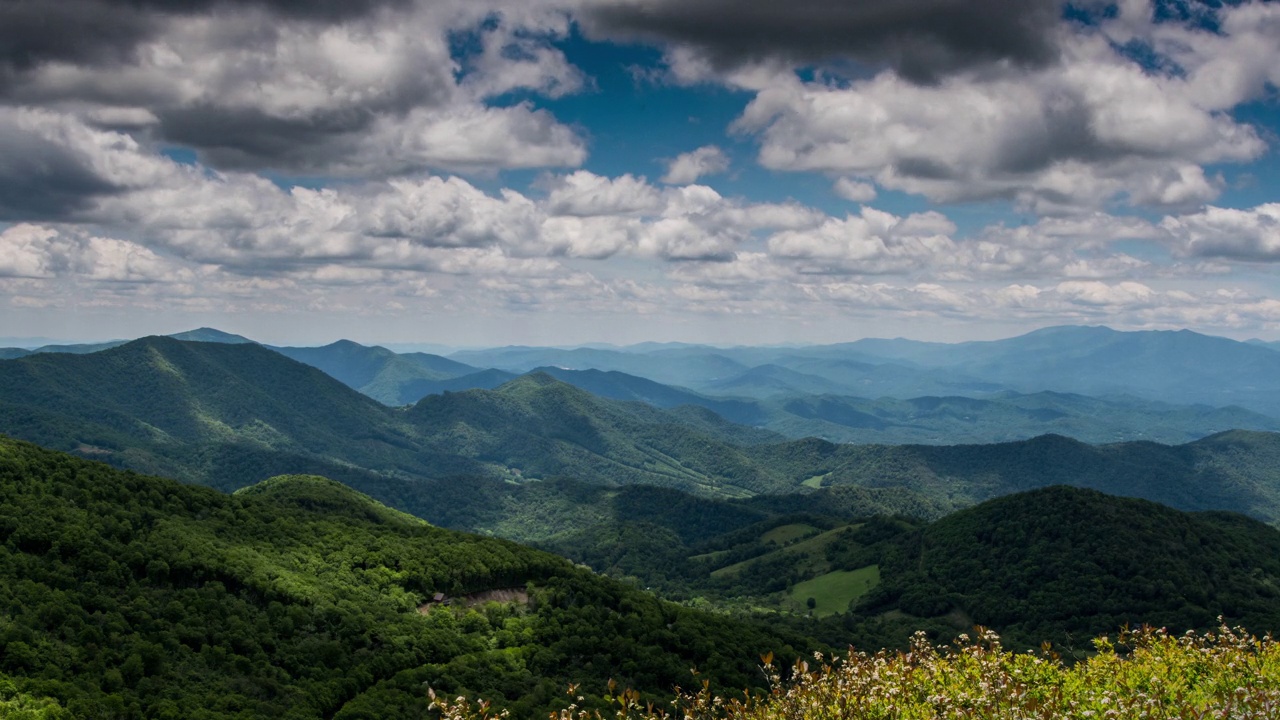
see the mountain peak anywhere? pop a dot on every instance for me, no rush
(352, 346)
(208, 334)
(1072, 330)
(536, 378)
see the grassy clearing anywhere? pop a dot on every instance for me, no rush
(815, 482)
(834, 591)
(711, 556)
(784, 534)
(809, 552)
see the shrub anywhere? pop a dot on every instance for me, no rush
(1143, 674)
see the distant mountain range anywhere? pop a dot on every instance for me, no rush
(198, 335)
(232, 414)
(1178, 367)
(938, 420)
(1090, 383)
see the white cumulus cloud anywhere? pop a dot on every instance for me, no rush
(688, 167)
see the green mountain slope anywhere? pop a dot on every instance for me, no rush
(124, 595)
(682, 369)
(621, 386)
(559, 510)
(229, 415)
(161, 405)
(80, 348)
(541, 427)
(1061, 562)
(482, 380)
(1049, 564)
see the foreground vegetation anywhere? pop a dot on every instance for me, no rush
(1145, 674)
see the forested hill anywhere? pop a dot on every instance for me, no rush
(197, 410)
(1064, 562)
(1236, 470)
(123, 595)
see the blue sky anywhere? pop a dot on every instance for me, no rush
(567, 171)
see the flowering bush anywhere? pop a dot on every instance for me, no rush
(1143, 674)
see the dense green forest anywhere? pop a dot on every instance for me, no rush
(1063, 564)
(123, 595)
(126, 595)
(1236, 470)
(1055, 564)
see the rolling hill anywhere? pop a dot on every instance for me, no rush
(212, 335)
(1064, 562)
(1047, 564)
(482, 380)
(681, 369)
(1234, 471)
(203, 334)
(1007, 416)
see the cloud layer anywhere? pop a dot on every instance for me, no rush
(585, 242)
(358, 157)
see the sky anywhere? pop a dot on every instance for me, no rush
(493, 172)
